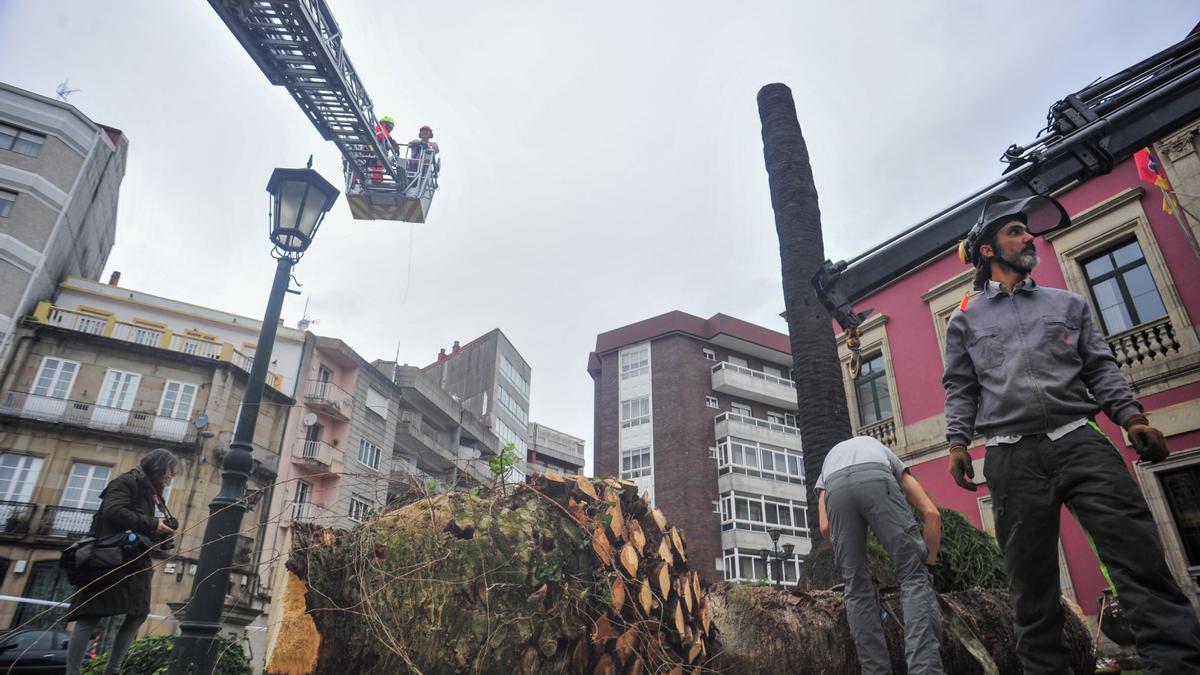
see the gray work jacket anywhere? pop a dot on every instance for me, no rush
(1025, 362)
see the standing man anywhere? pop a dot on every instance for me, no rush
(863, 483)
(1027, 368)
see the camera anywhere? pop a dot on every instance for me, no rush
(167, 542)
(171, 522)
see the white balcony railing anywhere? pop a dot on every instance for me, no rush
(884, 432)
(187, 344)
(1142, 345)
(755, 385)
(315, 452)
(92, 416)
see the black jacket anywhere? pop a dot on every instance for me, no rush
(127, 504)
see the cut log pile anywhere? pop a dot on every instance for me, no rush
(568, 574)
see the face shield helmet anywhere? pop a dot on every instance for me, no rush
(1041, 216)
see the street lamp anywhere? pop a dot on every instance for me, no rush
(776, 556)
(300, 198)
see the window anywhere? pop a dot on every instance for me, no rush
(740, 409)
(20, 140)
(300, 500)
(749, 565)
(358, 509)
(738, 361)
(711, 402)
(710, 355)
(369, 453)
(47, 581)
(507, 435)
(1123, 289)
(118, 389)
(635, 362)
(635, 463)
(511, 405)
(18, 475)
(1182, 490)
(177, 400)
(773, 372)
(510, 371)
(377, 403)
(757, 513)
(635, 411)
(7, 199)
(55, 378)
(776, 417)
(871, 392)
(736, 455)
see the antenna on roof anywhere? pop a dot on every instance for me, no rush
(64, 90)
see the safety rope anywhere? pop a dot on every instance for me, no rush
(853, 342)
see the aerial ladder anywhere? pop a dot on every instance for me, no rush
(298, 45)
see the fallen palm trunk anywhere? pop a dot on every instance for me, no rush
(567, 575)
(768, 631)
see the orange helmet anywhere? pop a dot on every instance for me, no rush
(426, 127)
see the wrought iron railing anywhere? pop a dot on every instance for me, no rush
(92, 416)
(66, 522)
(16, 517)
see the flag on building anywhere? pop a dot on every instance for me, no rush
(1151, 171)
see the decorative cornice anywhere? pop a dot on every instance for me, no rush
(1180, 144)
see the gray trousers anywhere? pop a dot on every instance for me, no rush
(1030, 481)
(82, 635)
(868, 495)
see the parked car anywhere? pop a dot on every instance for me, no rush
(34, 651)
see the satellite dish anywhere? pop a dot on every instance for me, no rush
(310, 419)
(201, 422)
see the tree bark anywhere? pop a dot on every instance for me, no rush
(824, 417)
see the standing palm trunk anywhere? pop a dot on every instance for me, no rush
(824, 418)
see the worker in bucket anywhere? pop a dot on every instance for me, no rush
(421, 145)
(383, 134)
(864, 484)
(1028, 368)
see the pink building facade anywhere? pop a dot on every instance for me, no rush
(1139, 267)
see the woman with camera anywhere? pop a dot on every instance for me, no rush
(127, 504)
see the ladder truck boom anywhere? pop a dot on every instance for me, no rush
(298, 45)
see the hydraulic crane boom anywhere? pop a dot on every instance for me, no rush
(298, 45)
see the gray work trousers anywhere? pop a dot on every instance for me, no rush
(868, 495)
(1030, 481)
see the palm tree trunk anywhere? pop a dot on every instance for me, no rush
(824, 418)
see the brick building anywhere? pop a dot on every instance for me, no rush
(700, 414)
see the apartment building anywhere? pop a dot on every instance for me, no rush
(99, 376)
(699, 412)
(553, 450)
(490, 378)
(60, 174)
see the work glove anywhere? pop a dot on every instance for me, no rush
(961, 468)
(1150, 444)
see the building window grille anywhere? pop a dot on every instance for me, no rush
(635, 411)
(1122, 288)
(369, 453)
(635, 362)
(711, 402)
(871, 392)
(7, 199)
(21, 140)
(1182, 490)
(635, 463)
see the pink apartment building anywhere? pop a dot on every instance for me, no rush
(1137, 265)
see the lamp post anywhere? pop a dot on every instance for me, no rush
(776, 556)
(300, 198)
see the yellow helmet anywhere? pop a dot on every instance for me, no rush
(388, 120)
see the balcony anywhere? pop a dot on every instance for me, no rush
(148, 336)
(315, 453)
(16, 518)
(100, 418)
(64, 522)
(328, 398)
(754, 429)
(754, 385)
(1144, 345)
(884, 432)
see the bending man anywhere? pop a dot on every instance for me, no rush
(863, 483)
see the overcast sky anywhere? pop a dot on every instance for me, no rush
(602, 162)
